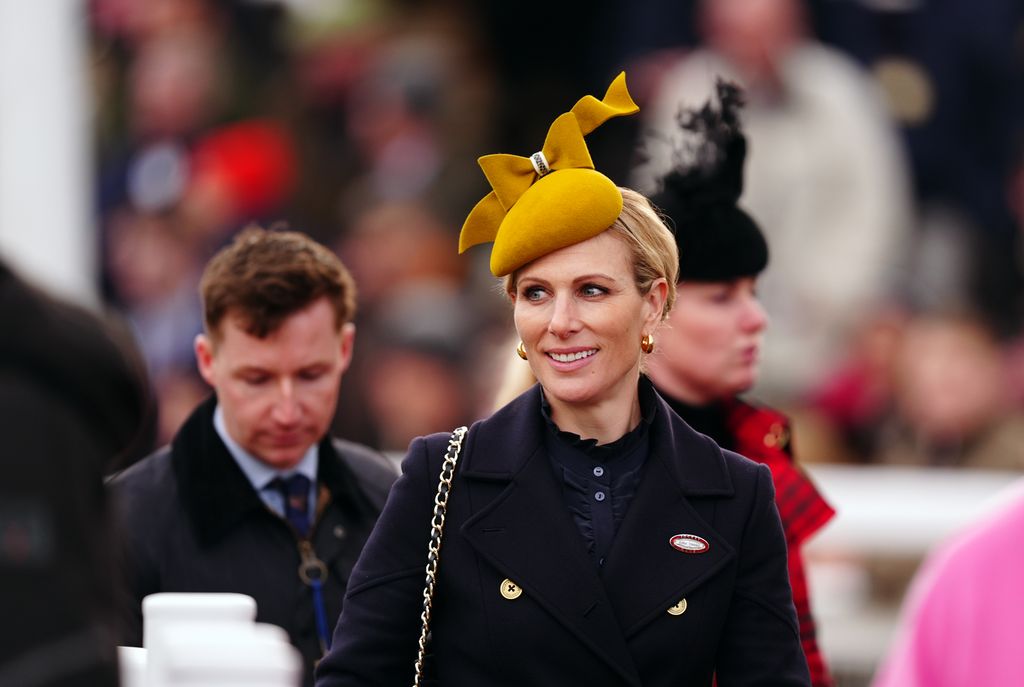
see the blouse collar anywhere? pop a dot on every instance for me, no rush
(622, 445)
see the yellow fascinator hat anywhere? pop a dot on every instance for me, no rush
(554, 198)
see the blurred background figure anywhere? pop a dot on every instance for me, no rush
(951, 401)
(882, 135)
(926, 389)
(825, 177)
(401, 412)
(709, 353)
(74, 403)
(845, 410)
(151, 263)
(964, 613)
(212, 113)
(951, 76)
(338, 118)
(417, 321)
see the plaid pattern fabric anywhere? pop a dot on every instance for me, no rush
(763, 435)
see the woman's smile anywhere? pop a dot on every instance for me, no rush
(566, 357)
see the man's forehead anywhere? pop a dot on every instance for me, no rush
(234, 328)
(300, 339)
(317, 316)
(271, 356)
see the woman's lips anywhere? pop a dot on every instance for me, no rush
(567, 359)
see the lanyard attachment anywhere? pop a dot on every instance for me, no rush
(313, 572)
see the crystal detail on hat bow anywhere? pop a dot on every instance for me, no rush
(540, 163)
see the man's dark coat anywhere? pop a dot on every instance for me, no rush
(574, 624)
(192, 522)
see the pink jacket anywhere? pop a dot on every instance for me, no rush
(964, 616)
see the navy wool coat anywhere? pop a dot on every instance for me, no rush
(573, 624)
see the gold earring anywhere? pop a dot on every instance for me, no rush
(647, 343)
(521, 350)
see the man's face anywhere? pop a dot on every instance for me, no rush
(278, 394)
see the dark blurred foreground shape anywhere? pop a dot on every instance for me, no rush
(73, 403)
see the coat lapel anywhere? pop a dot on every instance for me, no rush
(215, 491)
(526, 532)
(218, 495)
(644, 575)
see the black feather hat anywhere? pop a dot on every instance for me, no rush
(717, 240)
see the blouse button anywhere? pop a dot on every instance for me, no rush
(598, 471)
(599, 496)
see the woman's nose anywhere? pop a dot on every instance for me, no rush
(564, 317)
(755, 318)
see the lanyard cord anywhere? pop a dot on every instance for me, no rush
(313, 572)
(320, 611)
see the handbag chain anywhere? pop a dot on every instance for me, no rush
(444, 488)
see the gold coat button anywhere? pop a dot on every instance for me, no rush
(678, 609)
(510, 590)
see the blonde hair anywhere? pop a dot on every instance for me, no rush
(652, 247)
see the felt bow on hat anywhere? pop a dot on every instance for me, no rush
(514, 177)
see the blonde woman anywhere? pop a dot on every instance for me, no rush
(591, 537)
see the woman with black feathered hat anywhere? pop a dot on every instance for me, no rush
(709, 350)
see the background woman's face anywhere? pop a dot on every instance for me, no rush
(713, 339)
(581, 317)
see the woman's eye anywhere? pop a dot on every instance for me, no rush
(721, 295)
(591, 290)
(533, 293)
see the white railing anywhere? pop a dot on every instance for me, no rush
(883, 512)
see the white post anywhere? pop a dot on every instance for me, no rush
(46, 215)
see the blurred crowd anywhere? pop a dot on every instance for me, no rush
(886, 166)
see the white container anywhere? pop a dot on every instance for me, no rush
(257, 655)
(131, 664)
(204, 608)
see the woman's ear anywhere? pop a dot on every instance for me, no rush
(654, 300)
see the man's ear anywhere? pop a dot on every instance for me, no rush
(348, 343)
(204, 358)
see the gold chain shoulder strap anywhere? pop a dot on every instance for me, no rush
(444, 488)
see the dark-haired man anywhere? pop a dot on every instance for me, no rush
(252, 495)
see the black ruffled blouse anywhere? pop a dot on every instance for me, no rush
(598, 482)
